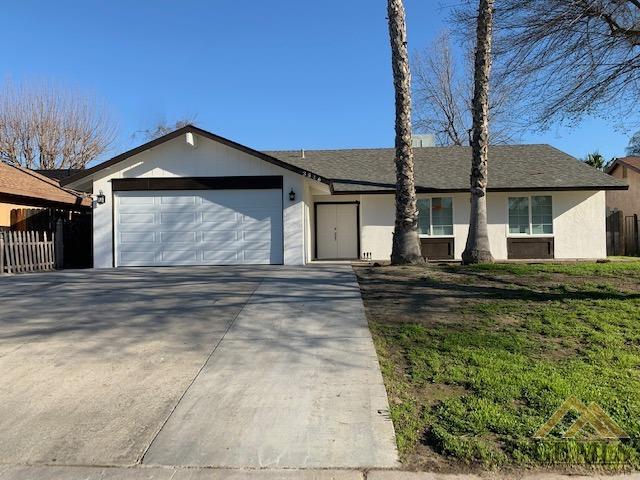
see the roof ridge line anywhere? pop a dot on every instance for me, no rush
(511, 145)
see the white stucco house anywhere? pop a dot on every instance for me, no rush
(194, 198)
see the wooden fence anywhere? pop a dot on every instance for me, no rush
(615, 233)
(30, 251)
(632, 235)
(623, 234)
(73, 229)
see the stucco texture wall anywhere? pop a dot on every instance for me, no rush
(626, 200)
(578, 222)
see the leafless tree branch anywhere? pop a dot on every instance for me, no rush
(45, 126)
(443, 90)
(162, 127)
(569, 58)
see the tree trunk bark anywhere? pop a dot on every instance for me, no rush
(406, 242)
(477, 249)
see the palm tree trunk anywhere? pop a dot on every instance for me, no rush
(406, 243)
(477, 249)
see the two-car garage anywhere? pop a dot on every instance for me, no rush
(199, 221)
(194, 198)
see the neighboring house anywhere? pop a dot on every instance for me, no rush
(59, 174)
(626, 169)
(192, 197)
(21, 188)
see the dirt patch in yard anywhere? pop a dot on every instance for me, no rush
(439, 293)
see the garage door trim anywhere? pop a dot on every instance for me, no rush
(271, 182)
(197, 183)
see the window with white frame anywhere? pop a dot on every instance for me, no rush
(435, 216)
(531, 215)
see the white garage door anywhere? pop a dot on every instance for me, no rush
(198, 227)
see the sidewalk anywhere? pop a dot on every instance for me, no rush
(172, 473)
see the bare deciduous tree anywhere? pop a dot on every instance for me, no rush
(406, 242)
(45, 126)
(477, 249)
(571, 57)
(163, 127)
(633, 148)
(443, 92)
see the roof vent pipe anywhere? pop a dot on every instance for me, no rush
(302, 153)
(423, 140)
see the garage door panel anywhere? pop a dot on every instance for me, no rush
(133, 258)
(179, 256)
(220, 216)
(257, 256)
(220, 227)
(178, 210)
(221, 257)
(138, 200)
(260, 246)
(213, 236)
(223, 199)
(253, 236)
(144, 237)
(178, 219)
(222, 244)
(137, 218)
(178, 237)
(177, 201)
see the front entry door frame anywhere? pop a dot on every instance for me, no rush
(315, 224)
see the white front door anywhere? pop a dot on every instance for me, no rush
(198, 227)
(337, 231)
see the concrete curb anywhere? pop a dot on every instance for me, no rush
(8, 472)
(399, 475)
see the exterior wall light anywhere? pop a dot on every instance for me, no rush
(292, 195)
(101, 198)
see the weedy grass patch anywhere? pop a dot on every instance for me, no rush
(508, 364)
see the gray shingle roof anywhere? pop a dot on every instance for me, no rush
(59, 173)
(511, 167)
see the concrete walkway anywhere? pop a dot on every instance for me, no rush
(295, 382)
(189, 367)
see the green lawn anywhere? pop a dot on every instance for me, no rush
(625, 266)
(476, 359)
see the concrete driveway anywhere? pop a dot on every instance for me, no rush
(207, 366)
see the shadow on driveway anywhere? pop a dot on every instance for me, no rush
(93, 362)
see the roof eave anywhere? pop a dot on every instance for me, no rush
(28, 200)
(498, 189)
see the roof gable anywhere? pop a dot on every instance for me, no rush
(632, 163)
(198, 131)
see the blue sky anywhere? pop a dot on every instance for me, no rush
(272, 75)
